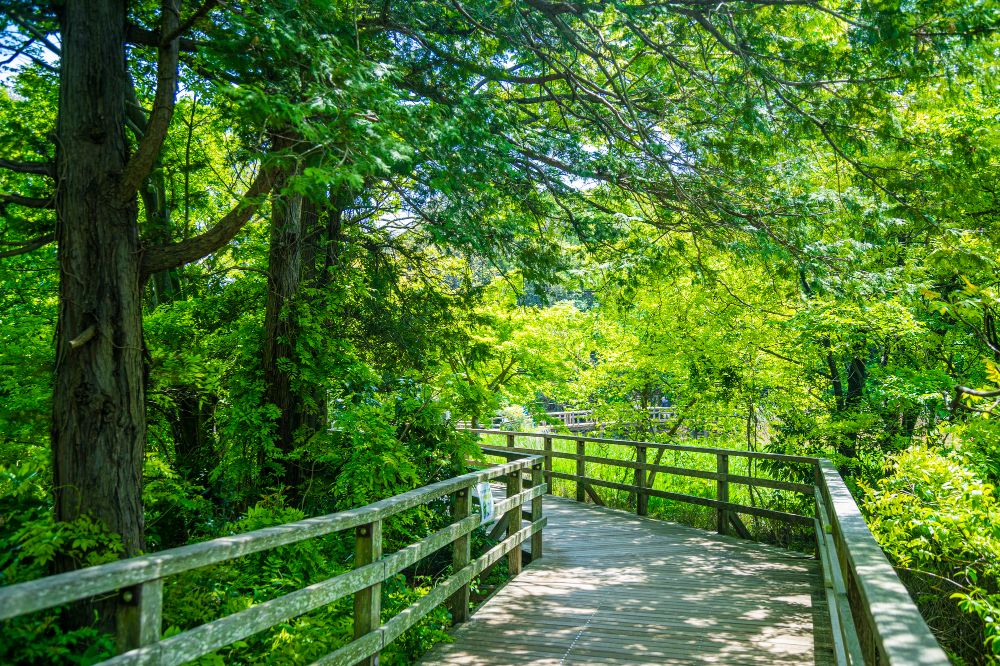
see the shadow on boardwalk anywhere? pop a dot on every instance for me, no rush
(614, 588)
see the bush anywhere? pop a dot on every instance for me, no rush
(937, 520)
(30, 540)
(516, 419)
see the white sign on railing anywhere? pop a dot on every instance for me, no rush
(484, 493)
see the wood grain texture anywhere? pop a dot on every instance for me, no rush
(461, 508)
(615, 588)
(537, 510)
(56, 590)
(889, 624)
(514, 521)
(367, 602)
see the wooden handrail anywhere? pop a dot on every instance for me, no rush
(894, 630)
(141, 578)
(577, 417)
(760, 455)
(873, 618)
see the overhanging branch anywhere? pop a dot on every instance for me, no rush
(36, 168)
(29, 246)
(164, 257)
(28, 202)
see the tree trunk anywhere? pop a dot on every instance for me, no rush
(856, 375)
(98, 405)
(165, 284)
(284, 277)
(334, 242)
(315, 275)
(99, 425)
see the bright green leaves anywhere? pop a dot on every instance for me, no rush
(937, 520)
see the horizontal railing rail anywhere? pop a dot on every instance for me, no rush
(576, 418)
(873, 618)
(139, 580)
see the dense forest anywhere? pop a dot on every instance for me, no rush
(261, 260)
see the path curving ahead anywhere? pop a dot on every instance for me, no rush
(614, 588)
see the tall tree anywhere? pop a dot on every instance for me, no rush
(99, 402)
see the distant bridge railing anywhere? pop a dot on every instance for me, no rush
(139, 581)
(576, 419)
(874, 620)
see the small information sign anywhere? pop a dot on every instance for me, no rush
(487, 508)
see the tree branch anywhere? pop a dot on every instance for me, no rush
(142, 37)
(205, 8)
(164, 257)
(35, 32)
(163, 106)
(37, 168)
(976, 392)
(781, 356)
(28, 202)
(29, 246)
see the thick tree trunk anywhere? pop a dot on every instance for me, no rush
(284, 277)
(98, 406)
(99, 426)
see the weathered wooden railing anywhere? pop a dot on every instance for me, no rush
(873, 618)
(139, 581)
(579, 418)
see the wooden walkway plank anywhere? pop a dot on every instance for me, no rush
(615, 588)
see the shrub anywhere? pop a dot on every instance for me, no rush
(937, 520)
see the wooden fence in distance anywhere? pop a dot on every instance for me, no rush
(579, 420)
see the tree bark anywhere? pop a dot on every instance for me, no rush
(857, 372)
(284, 277)
(99, 423)
(98, 406)
(315, 275)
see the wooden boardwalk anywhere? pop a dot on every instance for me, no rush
(614, 588)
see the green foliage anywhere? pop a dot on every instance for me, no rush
(937, 520)
(398, 593)
(778, 218)
(203, 595)
(30, 543)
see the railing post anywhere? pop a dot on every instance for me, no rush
(818, 504)
(514, 522)
(461, 508)
(139, 615)
(367, 602)
(510, 440)
(537, 479)
(581, 471)
(641, 498)
(548, 464)
(722, 492)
